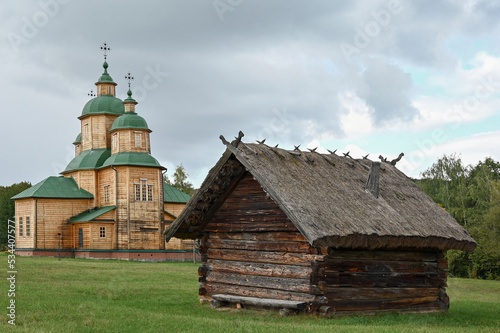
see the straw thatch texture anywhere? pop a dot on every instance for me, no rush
(324, 196)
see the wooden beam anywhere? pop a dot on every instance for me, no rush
(261, 302)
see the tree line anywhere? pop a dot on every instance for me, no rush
(471, 194)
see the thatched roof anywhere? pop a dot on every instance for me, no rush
(324, 196)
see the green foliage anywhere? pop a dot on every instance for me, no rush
(180, 181)
(471, 194)
(81, 295)
(7, 210)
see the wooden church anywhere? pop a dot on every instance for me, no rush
(111, 200)
(318, 233)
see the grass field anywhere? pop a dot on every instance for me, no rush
(79, 295)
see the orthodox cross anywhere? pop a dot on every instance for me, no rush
(129, 78)
(105, 49)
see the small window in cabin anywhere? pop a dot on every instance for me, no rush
(137, 139)
(150, 192)
(86, 131)
(137, 192)
(102, 232)
(115, 141)
(143, 185)
(28, 227)
(106, 193)
(20, 227)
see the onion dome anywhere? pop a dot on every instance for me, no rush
(103, 104)
(130, 119)
(105, 77)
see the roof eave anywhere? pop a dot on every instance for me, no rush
(191, 204)
(376, 242)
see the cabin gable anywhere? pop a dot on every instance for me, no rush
(252, 249)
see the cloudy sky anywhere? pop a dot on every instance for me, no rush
(378, 77)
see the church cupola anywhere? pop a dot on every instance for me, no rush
(130, 132)
(105, 84)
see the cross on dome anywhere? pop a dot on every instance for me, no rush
(105, 49)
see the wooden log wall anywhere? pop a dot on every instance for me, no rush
(25, 208)
(251, 249)
(98, 127)
(139, 222)
(52, 218)
(374, 281)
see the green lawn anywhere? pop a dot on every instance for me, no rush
(79, 295)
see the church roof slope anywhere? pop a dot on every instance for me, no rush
(55, 187)
(89, 215)
(174, 195)
(324, 196)
(132, 158)
(88, 159)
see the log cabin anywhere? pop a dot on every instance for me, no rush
(317, 233)
(111, 200)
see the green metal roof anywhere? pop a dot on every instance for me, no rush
(91, 214)
(78, 139)
(132, 158)
(88, 159)
(174, 195)
(55, 187)
(103, 104)
(174, 216)
(129, 120)
(105, 77)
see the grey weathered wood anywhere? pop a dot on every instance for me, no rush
(372, 183)
(255, 268)
(298, 285)
(265, 302)
(209, 288)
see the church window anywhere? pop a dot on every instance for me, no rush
(138, 139)
(143, 185)
(150, 192)
(106, 193)
(20, 227)
(102, 232)
(137, 192)
(115, 141)
(143, 190)
(86, 131)
(28, 227)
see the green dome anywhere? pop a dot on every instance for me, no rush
(104, 104)
(105, 77)
(132, 158)
(78, 139)
(129, 120)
